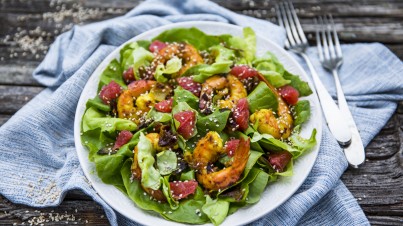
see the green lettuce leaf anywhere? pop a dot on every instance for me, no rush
(173, 65)
(245, 45)
(93, 119)
(222, 64)
(216, 210)
(271, 68)
(159, 116)
(296, 82)
(298, 146)
(97, 103)
(301, 112)
(108, 168)
(262, 98)
(189, 175)
(193, 36)
(182, 95)
(144, 44)
(213, 122)
(113, 72)
(166, 189)
(289, 170)
(302, 144)
(166, 162)
(257, 185)
(133, 55)
(275, 78)
(186, 211)
(150, 177)
(270, 62)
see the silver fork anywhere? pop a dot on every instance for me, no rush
(296, 42)
(331, 57)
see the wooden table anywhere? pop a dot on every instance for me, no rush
(29, 27)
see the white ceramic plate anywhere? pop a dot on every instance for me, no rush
(274, 195)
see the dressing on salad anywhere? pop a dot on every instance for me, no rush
(195, 126)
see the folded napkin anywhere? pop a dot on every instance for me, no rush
(38, 159)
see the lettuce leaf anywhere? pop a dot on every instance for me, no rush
(133, 55)
(182, 95)
(245, 45)
(296, 82)
(166, 162)
(93, 119)
(216, 210)
(97, 103)
(173, 65)
(166, 189)
(189, 175)
(193, 36)
(269, 62)
(275, 78)
(159, 116)
(150, 177)
(186, 211)
(108, 168)
(298, 146)
(271, 68)
(302, 144)
(262, 98)
(257, 185)
(213, 122)
(301, 112)
(222, 64)
(113, 72)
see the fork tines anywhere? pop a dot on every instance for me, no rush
(287, 18)
(327, 41)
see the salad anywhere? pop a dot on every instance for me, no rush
(195, 126)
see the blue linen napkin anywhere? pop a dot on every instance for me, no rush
(38, 158)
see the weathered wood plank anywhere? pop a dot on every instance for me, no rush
(43, 20)
(12, 98)
(307, 8)
(17, 74)
(386, 220)
(69, 212)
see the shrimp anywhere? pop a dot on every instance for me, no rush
(130, 97)
(189, 55)
(237, 92)
(228, 91)
(139, 98)
(207, 151)
(136, 170)
(278, 127)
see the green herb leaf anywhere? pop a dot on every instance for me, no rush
(216, 210)
(150, 177)
(262, 98)
(93, 119)
(166, 162)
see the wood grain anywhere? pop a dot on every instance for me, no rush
(377, 185)
(13, 98)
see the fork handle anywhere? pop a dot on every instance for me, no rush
(355, 153)
(335, 120)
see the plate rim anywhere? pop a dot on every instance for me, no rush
(145, 35)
